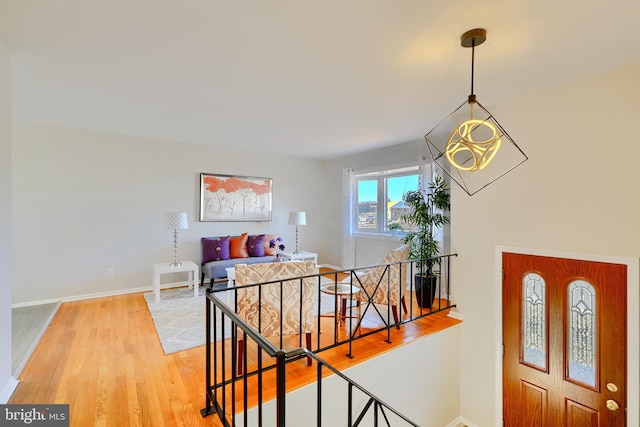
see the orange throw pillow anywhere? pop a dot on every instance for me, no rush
(238, 246)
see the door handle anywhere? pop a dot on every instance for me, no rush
(612, 405)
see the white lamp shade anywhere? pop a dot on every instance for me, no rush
(176, 220)
(297, 218)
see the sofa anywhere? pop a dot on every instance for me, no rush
(221, 252)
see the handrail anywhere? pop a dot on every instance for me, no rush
(337, 372)
(295, 354)
(423, 260)
(303, 352)
(357, 332)
(223, 386)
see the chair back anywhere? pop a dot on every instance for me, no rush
(283, 307)
(382, 283)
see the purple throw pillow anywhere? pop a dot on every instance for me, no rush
(255, 244)
(215, 249)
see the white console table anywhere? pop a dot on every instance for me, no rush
(302, 256)
(165, 268)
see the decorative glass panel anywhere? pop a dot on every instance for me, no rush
(534, 321)
(581, 343)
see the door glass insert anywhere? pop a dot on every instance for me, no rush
(581, 342)
(534, 321)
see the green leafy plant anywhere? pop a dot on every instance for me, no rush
(395, 226)
(428, 212)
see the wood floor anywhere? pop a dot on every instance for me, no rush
(103, 358)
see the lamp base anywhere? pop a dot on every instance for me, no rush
(175, 262)
(297, 252)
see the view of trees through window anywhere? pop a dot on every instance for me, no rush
(379, 199)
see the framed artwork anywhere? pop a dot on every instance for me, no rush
(234, 198)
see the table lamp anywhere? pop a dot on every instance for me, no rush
(174, 221)
(297, 218)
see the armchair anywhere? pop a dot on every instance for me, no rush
(382, 284)
(278, 308)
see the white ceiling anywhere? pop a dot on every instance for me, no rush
(316, 79)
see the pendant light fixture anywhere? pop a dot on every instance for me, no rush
(469, 144)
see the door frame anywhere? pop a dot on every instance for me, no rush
(633, 322)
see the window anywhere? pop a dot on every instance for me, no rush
(379, 205)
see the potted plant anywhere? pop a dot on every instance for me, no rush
(394, 228)
(427, 214)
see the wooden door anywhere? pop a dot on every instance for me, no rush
(564, 334)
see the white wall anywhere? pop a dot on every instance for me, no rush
(7, 383)
(577, 193)
(86, 201)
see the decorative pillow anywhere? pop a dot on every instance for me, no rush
(215, 249)
(238, 246)
(268, 250)
(255, 245)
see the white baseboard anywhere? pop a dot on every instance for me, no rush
(8, 390)
(461, 421)
(468, 423)
(100, 294)
(455, 314)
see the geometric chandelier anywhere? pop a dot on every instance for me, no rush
(469, 144)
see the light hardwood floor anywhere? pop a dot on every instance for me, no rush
(103, 357)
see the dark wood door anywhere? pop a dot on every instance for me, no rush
(564, 334)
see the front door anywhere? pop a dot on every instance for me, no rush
(564, 335)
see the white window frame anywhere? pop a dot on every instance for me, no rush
(426, 170)
(381, 176)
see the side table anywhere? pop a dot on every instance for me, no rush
(342, 292)
(164, 268)
(302, 256)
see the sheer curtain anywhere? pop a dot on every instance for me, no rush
(348, 211)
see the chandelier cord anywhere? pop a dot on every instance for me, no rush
(473, 53)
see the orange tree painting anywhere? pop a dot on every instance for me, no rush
(234, 198)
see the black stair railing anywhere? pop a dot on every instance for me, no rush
(226, 388)
(233, 388)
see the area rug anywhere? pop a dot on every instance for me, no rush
(180, 321)
(179, 318)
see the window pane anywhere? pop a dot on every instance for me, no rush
(534, 321)
(396, 187)
(367, 204)
(581, 344)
